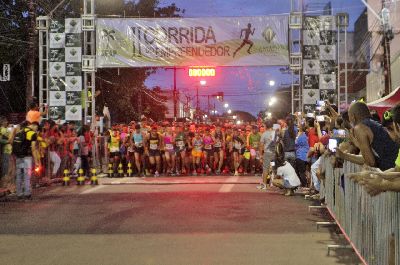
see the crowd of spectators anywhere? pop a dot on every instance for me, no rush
(288, 153)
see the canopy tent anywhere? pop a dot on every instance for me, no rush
(385, 103)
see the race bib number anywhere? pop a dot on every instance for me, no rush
(197, 147)
(238, 146)
(138, 144)
(153, 146)
(180, 143)
(169, 146)
(208, 147)
(217, 144)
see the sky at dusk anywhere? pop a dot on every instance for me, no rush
(247, 86)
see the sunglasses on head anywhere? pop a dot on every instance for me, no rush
(388, 115)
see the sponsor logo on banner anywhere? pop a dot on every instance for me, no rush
(73, 112)
(327, 81)
(73, 69)
(57, 113)
(57, 55)
(57, 40)
(73, 54)
(73, 83)
(192, 41)
(73, 97)
(310, 96)
(5, 75)
(57, 69)
(73, 25)
(57, 98)
(72, 40)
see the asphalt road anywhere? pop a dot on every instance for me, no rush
(166, 221)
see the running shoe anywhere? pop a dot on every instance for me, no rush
(236, 173)
(262, 186)
(156, 174)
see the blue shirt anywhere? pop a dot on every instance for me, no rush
(302, 147)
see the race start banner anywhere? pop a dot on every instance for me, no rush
(151, 42)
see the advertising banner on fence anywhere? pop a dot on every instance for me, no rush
(240, 41)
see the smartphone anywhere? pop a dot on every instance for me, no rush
(341, 132)
(321, 103)
(276, 126)
(310, 115)
(332, 145)
(320, 118)
(272, 164)
(298, 113)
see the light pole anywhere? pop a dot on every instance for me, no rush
(202, 83)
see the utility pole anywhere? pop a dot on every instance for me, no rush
(387, 37)
(197, 103)
(208, 105)
(31, 51)
(175, 96)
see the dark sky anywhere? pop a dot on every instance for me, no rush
(241, 81)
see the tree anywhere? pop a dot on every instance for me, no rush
(244, 116)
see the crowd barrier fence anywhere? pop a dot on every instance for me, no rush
(371, 224)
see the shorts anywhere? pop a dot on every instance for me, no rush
(267, 158)
(209, 152)
(170, 151)
(217, 149)
(114, 154)
(178, 151)
(154, 152)
(138, 150)
(197, 153)
(240, 151)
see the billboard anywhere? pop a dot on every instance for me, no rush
(152, 42)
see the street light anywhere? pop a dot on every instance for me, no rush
(229, 111)
(272, 101)
(226, 105)
(234, 117)
(271, 83)
(203, 82)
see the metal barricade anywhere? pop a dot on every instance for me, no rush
(371, 224)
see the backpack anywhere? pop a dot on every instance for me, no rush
(21, 147)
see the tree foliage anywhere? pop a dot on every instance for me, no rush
(119, 88)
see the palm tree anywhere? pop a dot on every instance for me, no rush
(70, 67)
(108, 35)
(54, 55)
(324, 94)
(70, 96)
(308, 108)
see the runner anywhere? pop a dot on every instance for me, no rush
(180, 149)
(137, 144)
(153, 150)
(208, 151)
(238, 150)
(169, 142)
(247, 32)
(113, 148)
(253, 142)
(197, 145)
(219, 143)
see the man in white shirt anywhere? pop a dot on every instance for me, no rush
(286, 178)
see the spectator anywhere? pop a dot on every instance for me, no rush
(289, 139)
(302, 148)
(389, 180)
(26, 151)
(5, 147)
(267, 147)
(34, 115)
(376, 147)
(286, 177)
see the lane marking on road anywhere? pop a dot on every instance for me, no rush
(92, 189)
(228, 187)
